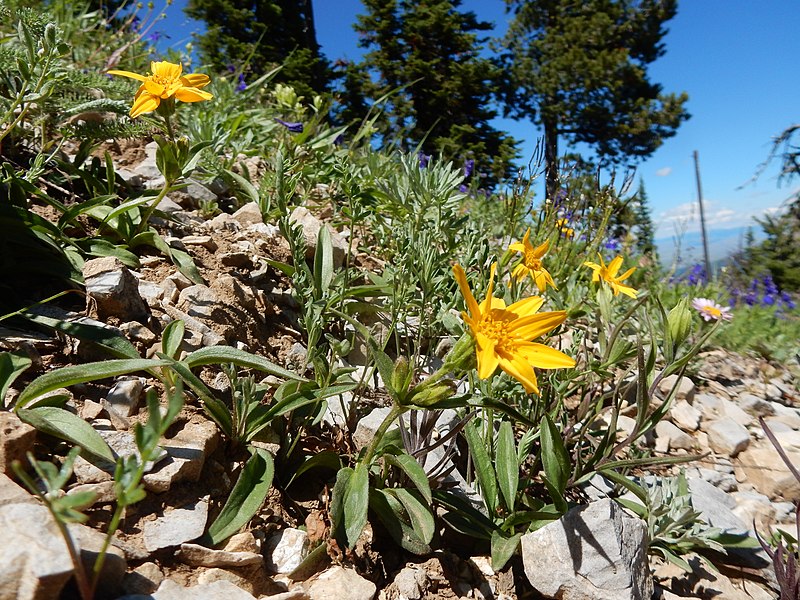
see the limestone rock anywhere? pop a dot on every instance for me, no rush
(16, 439)
(366, 428)
(311, 226)
(727, 437)
(200, 556)
(338, 582)
(286, 550)
(125, 395)
(684, 387)
(144, 579)
(113, 290)
(176, 526)
(685, 416)
(186, 455)
(34, 560)
(594, 552)
(218, 590)
(763, 468)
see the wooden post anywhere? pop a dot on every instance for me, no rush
(703, 235)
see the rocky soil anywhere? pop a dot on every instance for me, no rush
(596, 552)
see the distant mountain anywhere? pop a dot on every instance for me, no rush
(721, 244)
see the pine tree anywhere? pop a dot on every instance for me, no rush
(431, 50)
(645, 231)
(262, 35)
(579, 69)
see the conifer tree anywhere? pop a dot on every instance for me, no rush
(579, 69)
(431, 50)
(645, 232)
(262, 35)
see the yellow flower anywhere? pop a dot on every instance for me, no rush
(166, 81)
(609, 275)
(503, 335)
(566, 230)
(532, 262)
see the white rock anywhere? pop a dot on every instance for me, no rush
(16, 439)
(125, 395)
(764, 469)
(286, 550)
(113, 290)
(685, 416)
(715, 506)
(758, 407)
(733, 411)
(200, 556)
(218, 590)
(594, 552)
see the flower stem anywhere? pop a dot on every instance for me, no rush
(396, 411)
(152, 206)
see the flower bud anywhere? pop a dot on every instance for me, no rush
(679, 322)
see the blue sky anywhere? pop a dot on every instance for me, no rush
(735, 59)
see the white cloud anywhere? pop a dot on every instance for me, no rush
(664, 171)
(685, 217)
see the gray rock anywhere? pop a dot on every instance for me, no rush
(11, 493)
(338, 582)
(206, 241)
(199, 301)
(113, 290)
(16, 439)
(764, 469)
(144, 579)
(709, 405)
(125, 395)
(217, 590)
(727, 437)
(136, 332)
(733, 411)
(758, 407)
(715, 506)
(594, 552)
(311, 226)
(286, 550)
(34, 561)
(89, 542)
(669, 436)
(367, 426)
(410, 582)
(186, 456)
(684, 387)
(200, 556)
(121, 443)
(249, 214)
(176, 526)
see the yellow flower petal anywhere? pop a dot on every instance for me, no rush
(461, 279)
(192, 95)
(517, 247)
(527, 306)
(128, 74)
(145, 103)
(487, 357)
(486, 305)
(614, 266)
(195, 80)
(522, 372)
(530, 328)
(545, 357)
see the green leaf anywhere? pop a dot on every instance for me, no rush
(74, 374)
(413, 470)
(419, 513)
(554, 455)
(215, 408)
(483, 466)
(12, 365)
(172, 337)
(106, 338)
(211, 355)
(463, 517)
(338, 497)
(327, 459)
(393, 515)
(246, 498)
(506, 464)
(503, 549)
(356, 504)
(67, 426)
(323, 262)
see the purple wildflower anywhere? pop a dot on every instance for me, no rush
(424, 159)
(469, 167)
(292, 127)
(242, 85)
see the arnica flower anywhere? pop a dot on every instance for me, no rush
(532, 262)
(165, 82)
(711, 311)
(608, 273)
(503, 335)
(566, 230)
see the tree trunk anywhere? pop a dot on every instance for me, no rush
(550, 157)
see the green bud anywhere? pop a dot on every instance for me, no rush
(401, 376)
(679, 322)
(430, 397)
